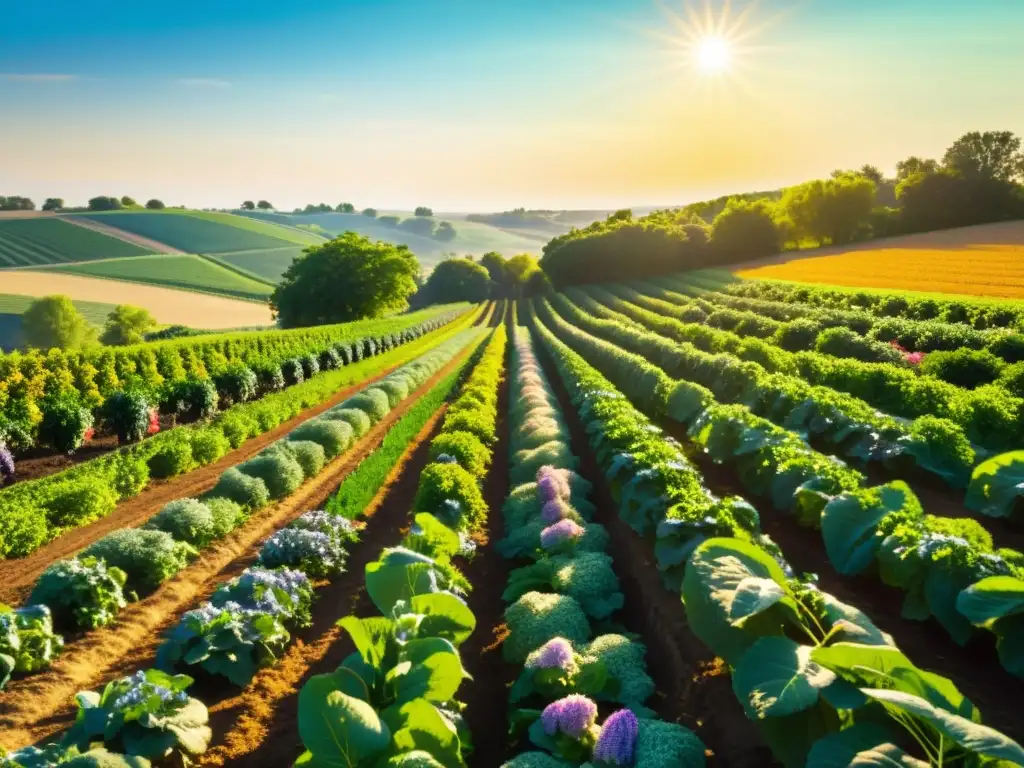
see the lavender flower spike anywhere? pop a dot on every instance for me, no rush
(560, 532)
(553, 511)
(617, 741)
(573, 716)
(556, 653)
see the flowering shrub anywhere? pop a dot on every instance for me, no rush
(561, 537)
(65, 423)
(616, 742)
(82, 593)
(567, 727)
(146, 715)
(129, 416)
(313, 552)
(192, 397)
(6, 464)
(284, 593)
(237, 383)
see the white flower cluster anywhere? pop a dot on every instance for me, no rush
(291, 546)
(258, 588)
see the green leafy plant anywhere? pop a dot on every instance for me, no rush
(66, 423)
(147, 558)
(81, 593)
(27, 640)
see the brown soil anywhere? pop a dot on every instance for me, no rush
(259, 725)
(119, 234)
(975, 669)
(35, 707)
(693, 686)
(486, 696)
(18, 576)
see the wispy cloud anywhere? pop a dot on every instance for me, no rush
(37, 77)
(202, 82)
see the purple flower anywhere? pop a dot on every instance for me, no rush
(561, 531)
(556, 653)
(572, 715)
(618, 738)
(547, 486)
(553, 511)
(6, 463)
(556, 478)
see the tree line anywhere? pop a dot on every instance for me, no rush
(98, 203)
(977, 181)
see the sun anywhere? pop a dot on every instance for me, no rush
(714, 54)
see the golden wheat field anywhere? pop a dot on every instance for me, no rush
(977, 261)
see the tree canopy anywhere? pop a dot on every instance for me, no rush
(53, 204)
(348, 278)
(248, 205)
(264, 205)
(155, 205)
(833, 210)
(453, 280)
(346, 208)
(423, 211)
(53, 321)
(371, 212)
(104, 203)
(127, 325)
(16, 203)
(983, 156)
(744, 230)
(128, 202)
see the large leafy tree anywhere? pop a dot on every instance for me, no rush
(832, 210)
(53, 204)
(913, 165)
(745, 230)
(127, 325)
(53, 321)
(348, 278)
(989, 155)
(264, 205)
(155, 205)
(456, 280)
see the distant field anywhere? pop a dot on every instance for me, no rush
(12, 307)
(470, 237)
(189, 272)
(267, 264)
(37, 241)
(287, 232)
(975, 261)
(198, 232)
(168, 305)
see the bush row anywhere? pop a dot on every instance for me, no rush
(566, 671)
(34, 512)
(88, 590)
(35, 382)
(989, 416)
(715, 553)
(848, 426)
(413, 645)
(978, 313)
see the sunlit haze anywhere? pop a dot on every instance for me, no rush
(476, 106)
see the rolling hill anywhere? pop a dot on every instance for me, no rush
(43, 240)
(186, 271)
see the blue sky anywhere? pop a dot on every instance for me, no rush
(485, 105)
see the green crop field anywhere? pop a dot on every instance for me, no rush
(189, 272)
(198, 232)
(44, 240)
(13, 306)
(287, 232)
(265, 264)
(470, 237)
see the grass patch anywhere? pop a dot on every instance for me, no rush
(189, 272)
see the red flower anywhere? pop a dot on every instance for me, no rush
(154, 422)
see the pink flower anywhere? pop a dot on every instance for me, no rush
(573, 716)
(556, 534)
(553, 511)
(556, 653)
(915, 358)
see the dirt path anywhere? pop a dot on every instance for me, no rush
(167, 305)
(486, 695)
(87, 222)
(33, 708)
(265, 715)
(693, 687)
(18, 576)
(975, 669)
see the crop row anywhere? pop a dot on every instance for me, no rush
(979, 313)
(988, 416)
(826, 686)
(393, 700)
(87, 591)
(36, 511)
(565, 671)
(938, 562)
(35, 385)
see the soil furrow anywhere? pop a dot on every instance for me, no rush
(32, 708)
(693, 686)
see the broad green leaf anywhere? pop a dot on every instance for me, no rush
(871, 666)
(369, 636)
(399, 574)
(430, 669)
(967, 733)
(863, 745)
(425, 728)
(849, 521)
(1010, 643)
(997, 484)
(991, 599)
(714, 572)
(778, 677)
(432, 537)
(754, 595)
(445, 615)
(856, 626)
(941, 590)
(338, 729)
